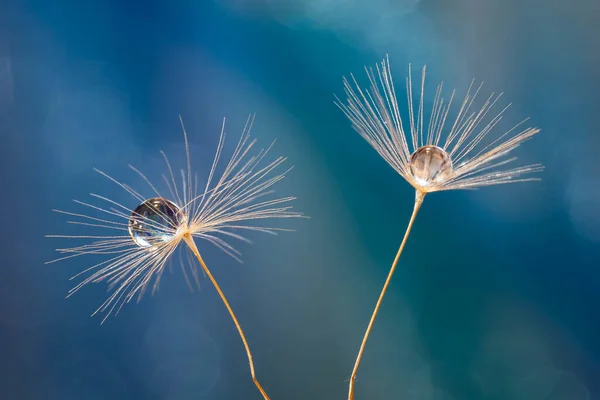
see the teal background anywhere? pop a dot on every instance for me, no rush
(496, 294)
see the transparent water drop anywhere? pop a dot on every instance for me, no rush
(155, 221)
(430, 165)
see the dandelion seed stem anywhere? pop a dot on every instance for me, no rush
(418, 201)
(190, 242)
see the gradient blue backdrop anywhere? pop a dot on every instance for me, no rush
(497, 292)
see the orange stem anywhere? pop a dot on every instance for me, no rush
(418, 201)
(190, 242)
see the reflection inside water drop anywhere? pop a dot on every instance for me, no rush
(430, 165)
(155, 221)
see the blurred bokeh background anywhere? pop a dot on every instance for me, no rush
(497, 293)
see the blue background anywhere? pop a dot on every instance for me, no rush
(497, 293)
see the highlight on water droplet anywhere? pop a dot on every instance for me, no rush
(430, 165)
(154, 222)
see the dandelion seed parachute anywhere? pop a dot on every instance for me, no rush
(148, 235)
(436, 156)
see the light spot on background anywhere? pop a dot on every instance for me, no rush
(583, 198)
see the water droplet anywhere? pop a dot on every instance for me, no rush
(155, 221)
(430, 166)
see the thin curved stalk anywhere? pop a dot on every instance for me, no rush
(190, 242)
(418, 201)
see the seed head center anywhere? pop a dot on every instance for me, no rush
(155, 221)
(430, 166)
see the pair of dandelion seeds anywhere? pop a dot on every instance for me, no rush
(449, 151)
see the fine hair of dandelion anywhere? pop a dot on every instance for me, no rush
(441, 157)
(225, 207)
(469, 161)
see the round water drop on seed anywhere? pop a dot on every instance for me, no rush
(431, 165)
(155, 221)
